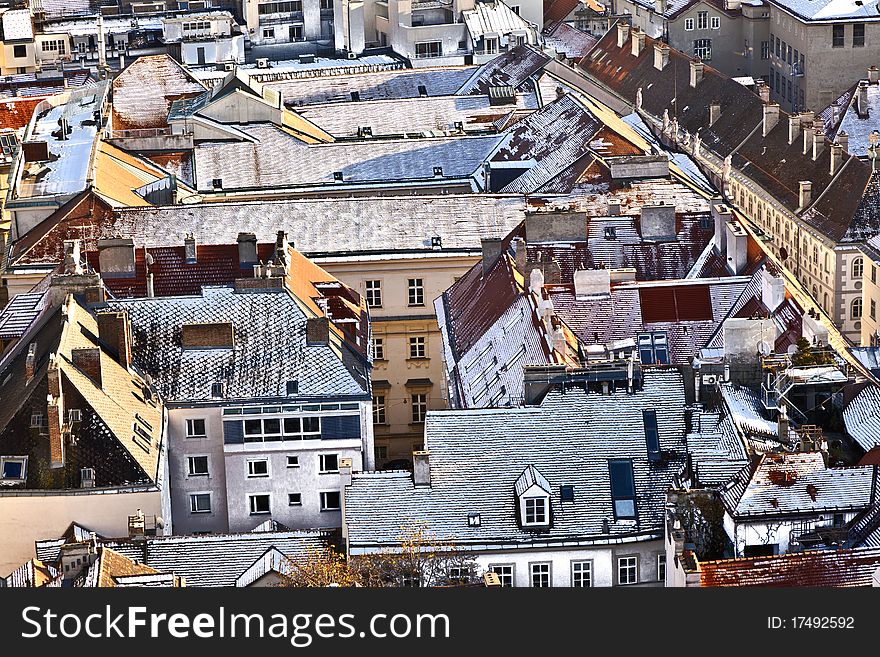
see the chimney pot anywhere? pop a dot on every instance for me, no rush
(661, 55)
(843, 140)
(622, 34)
(638, 41)
(696, 71)
(771, 116)
(794, 128)
(421, 469)
(805, 188)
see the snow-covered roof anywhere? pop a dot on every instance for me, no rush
(829, 10)
(862, 418)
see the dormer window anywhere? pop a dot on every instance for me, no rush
(533, 495)
(13, 469)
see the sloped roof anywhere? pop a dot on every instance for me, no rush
(16, 113)
(110, 565)
(512, 68)
(492, 18)
(826, 10)
(565, 38)
(119, 174)
(826, 568)
(476, 457)
(20, 313)
(862, 417)
(144, 91)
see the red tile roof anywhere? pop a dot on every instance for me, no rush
(837, 568)
(686, 303)
(16, 113)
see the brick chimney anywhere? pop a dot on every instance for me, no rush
(794, 128)
(114, 330)
(843, 140)
(873, 75)
(862, 99)
(818, 139)
(317, 331)
(805, 189)
(661, 55)
(771, 116)
(808, 137)
(622, 34)
(247, 250)
(72, 261)
(31, 361)
(189, 250)
(696, 71)
(836, 157)
(88, 361)
(638, 41)
(714, 112)
(421, 469)
(55, 413)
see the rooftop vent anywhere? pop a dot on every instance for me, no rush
(337, 176)
(355, 96)
(262, 62)
(474, 520)
(436, 242)
(423, 91)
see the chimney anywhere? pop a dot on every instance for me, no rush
(696, 71)
(873, 75)
(818, 143)
(151, 289)
(771, 116)
(88, 361)
(317, 331)
(737, 247)
(661, 55)
(721, 215)
(519, 250)
(72, 261)
(772, 290)
(592, 282)
(843, 140)
(31, 361)
(763, 91)
(808, 137)
(794, 128)
(622, 34)
(491, 251)
(836, 158)
(247, 250)
(638, 42)
(536, 281)
(281, 247)
(189, 248)
(55, 412)
(714, 112)
(805, 194)
(862, 99)
(114, 330)
(116, 258)
(782, 425)
(421, 469)
(657, 221)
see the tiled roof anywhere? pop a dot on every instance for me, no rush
(31, 574)
(858, 126)
(862, 417)
(492, 18)
(477, 456)
(269, 348)
(119, 176)
(770, 161)
(412, 115)
(800, 483)
(564, 38)
(825, 10)
(143, 92)
(220, 559)
(43, 84)
(16, 113)
(110, 565)
(177, 163)
(513, 68)
(278, 159)
(373, 85)
(20, 313)
(827, 568)
(717, 453)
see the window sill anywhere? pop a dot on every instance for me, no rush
(418, 359)
(336, 472)
(331, 510)
(198, 475)
(261, 513)
(188, 437)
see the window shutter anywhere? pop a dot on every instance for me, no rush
(233, 432)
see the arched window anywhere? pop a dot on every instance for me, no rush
(858, 267)
(856, 309)
(825, 302)
(815, 292)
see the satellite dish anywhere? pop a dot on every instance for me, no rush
(792, 350)
(192, 199)
(764, 348)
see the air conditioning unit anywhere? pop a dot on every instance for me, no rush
(710, 379)
(263, 62)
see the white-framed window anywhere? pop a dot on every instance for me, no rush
(505, 572)
(13, 468)
(268, 32)
(200, 502)
(259, 504)
(703, 49)
(381, 452)
(627, 570)
(378, 345)
(582, 574)
(197, 466)
(294, 499)
(858, 267)
(419, 407)
(535, 510)
(328, 463)
(379, 416)
(623, 490)
(195, 428)
(716, 22)
(702, 20)
(856, 308)
(539, 575)
(490, 45)
(292, 461)
(257, 468)
(688, 24)
(55, 45)
(417, 346)
(330, 500)
(661, 567)
(429, 49)
(415, 288)
(373, 293)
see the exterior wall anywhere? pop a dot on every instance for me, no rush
(394, 323)
(103, 511)
(652, 23)
(268, 29)
(828, 71)
(48, 48)
(403, 37)
(222, 50)
(776, 532)
(871, 292)
(23, 64)
(229, 484)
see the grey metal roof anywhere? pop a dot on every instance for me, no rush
(331, 225)
(20, 313)
(269, 347)
(531, 477)
(278, 159)
(476, 457)
(216, 560)
(862, 417)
